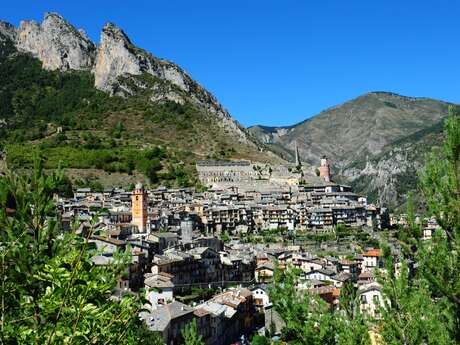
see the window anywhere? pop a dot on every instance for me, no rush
(376, 299)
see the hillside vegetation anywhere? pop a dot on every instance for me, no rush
(73, 125)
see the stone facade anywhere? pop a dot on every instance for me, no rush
(212, 172)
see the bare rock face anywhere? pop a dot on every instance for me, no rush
(114, 58)
(8, 30)
(117, 58)
(56, 43)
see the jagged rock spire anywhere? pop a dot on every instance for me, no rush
(115, 57)
(56, 43)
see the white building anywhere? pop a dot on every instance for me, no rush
(261, 298)
(371, 299)
(159, 289)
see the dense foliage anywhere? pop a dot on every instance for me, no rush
(31, 97)
(190, 334)
(309, 319)
(51, 292)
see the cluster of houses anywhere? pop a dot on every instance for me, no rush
(171, 234)
(214, 211)
(168, 268)
(326, 276)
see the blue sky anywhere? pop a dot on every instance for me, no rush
(278, 62)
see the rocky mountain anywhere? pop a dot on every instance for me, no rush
(374, 142)
(112, 99)
(390, 175)
(116, 64)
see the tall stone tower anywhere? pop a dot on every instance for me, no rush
(139, 207)
(324, 170)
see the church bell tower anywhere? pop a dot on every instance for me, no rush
(139, 208)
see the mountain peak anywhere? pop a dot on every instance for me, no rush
(58, 44)
(115, 57)
(119, 67)
(54, 16)
(114, 32)
(383, 93)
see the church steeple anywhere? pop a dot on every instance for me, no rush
(298, 163)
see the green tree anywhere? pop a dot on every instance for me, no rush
(410, 315)
(260, 340)
(309, 319)
(440, 183)
(425, 309)
(190, 334)
(51, 292)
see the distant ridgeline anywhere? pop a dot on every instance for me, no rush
(111, 113)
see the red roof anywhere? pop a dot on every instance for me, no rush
(373, 252)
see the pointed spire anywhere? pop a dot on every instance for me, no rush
(297, 157)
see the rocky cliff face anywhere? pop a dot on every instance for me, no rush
(8, 31)
(118, 59)
(119, 67)
(115, 57)
(389, 176)
(387, 179)
(56, 43)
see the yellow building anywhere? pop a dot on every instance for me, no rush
(139, 208)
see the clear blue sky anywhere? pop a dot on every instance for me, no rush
(278, 62)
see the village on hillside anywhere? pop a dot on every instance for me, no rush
(211, 255)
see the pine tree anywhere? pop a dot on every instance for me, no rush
(440, 184)
(309, 319)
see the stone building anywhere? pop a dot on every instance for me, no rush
(324, 170)
(211, 172)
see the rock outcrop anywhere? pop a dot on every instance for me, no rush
(56, 43)
(8, 31)
(115, 57)
(118, 59)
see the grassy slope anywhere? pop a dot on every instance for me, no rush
(108, 135)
